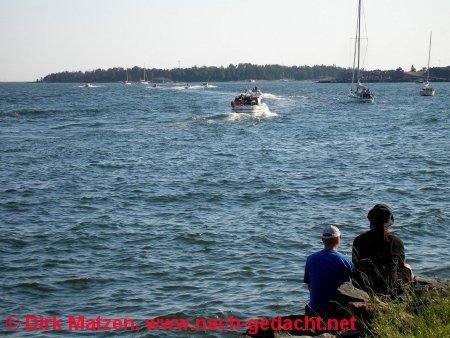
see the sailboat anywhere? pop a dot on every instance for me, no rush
(427, 89)
(144, 81)
(359, 92)
(127, 82)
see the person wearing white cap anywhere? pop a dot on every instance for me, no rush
(325, 271)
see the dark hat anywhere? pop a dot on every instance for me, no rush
(380, 214)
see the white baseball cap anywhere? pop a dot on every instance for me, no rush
(330, 231)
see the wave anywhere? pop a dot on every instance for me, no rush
(33, 112)
(16, 242)
(253, 116)
(35, 286)
(431, 120)
(195, 238)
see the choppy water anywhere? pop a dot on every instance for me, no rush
(141, 202)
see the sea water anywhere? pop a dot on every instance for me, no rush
(133, 201)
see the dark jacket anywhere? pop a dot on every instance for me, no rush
(379, 261)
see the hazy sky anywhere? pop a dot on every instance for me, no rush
(38, 37)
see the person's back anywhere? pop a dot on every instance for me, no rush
(378, 255)
(325, 271)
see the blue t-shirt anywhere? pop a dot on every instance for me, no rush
(325, 271)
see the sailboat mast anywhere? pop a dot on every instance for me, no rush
(354, 54)
(359, 37)
(429, 54)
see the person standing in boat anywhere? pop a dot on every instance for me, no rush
(325, 271)
(379, 256)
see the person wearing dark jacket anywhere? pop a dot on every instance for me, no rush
(379, 256)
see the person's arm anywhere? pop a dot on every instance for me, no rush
(397, 258)
(352, 268)
(355, 256)
(306, 278)
(356, 276)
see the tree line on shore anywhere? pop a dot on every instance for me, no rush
(246, 71)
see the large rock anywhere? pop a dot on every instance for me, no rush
(422, 285)
(347, 293)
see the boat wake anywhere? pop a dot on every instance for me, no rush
(250, 116)
(193, 87)
(274, 97)
(301, 97)
(270, 96)
(90, 86)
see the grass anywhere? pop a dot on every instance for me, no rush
(413, 316)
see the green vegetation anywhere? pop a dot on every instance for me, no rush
(414, 316)
(243, 72)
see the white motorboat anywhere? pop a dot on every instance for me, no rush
(205, 85)
(358, 91)
(187, 86)
(427, 89)
(249, 102)
(88, 85)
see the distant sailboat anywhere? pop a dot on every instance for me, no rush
(144, 81)
(427, 89)
(360, 92)
(127, 82)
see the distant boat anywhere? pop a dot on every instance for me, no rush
(205, 85)
(88, 85)
(327, 80)
(144, 81)
(427, 89)
(359, 92)
(187, 86)
(127, 82)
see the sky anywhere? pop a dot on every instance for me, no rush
(38, 37)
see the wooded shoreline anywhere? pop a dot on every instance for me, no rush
(246, 72)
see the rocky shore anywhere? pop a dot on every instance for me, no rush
(368, 310)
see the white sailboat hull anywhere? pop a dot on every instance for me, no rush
(427, 92)
(358, 98)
